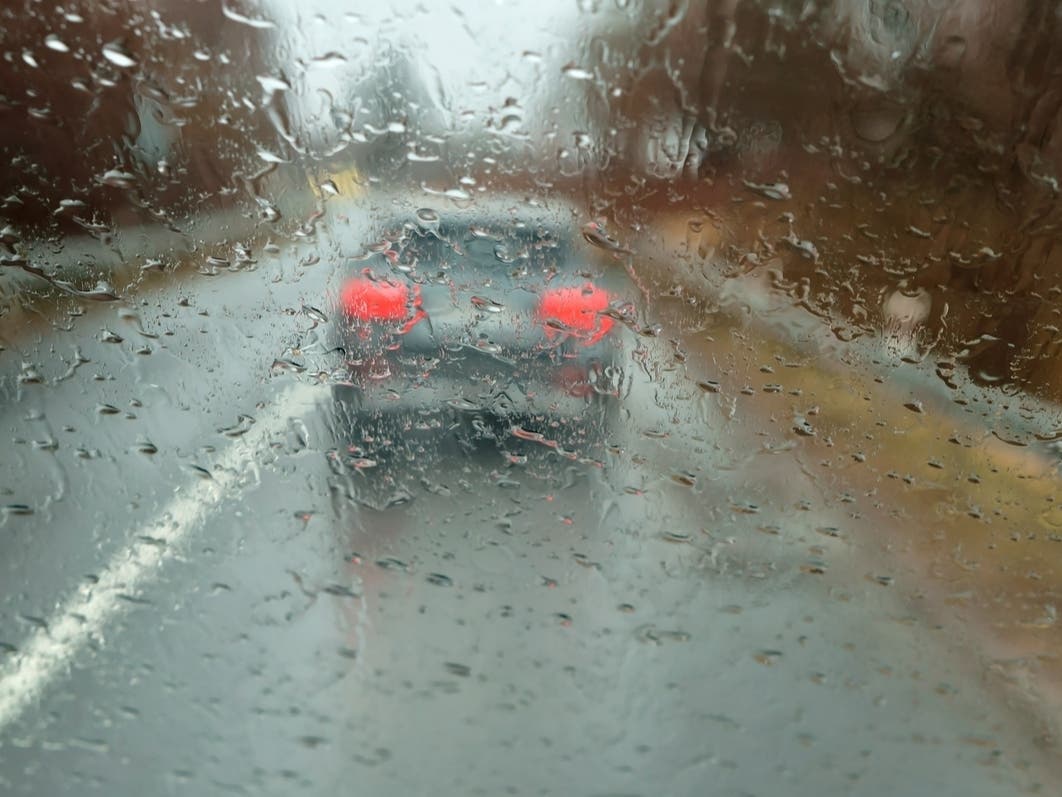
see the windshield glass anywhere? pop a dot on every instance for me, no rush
(609, 397)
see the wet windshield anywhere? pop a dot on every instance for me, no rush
(597, 398)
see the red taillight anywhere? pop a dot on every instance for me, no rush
(375, 300)
(365, 299)
(577, 311)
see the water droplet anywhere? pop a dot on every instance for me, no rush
(768, 658)
(116, 53)
(427, 219)
(271, 157)
(267, 211)
(460, 670)
(53, 42)
(804, 248)
(340, 591)
(315, 314)
(271, 84)
(69, 205)
(117, 178)
(487, 305)
(658, 636)
(464, 404)
(877, 123)
(257, 23)
(199, 471)
(676, 536)
(779, 191)
(576, 72)
(596, 235)
(329, 60)
(30, 375)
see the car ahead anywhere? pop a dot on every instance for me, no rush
(505, 324)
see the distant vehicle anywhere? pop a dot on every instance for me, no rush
(505, 323)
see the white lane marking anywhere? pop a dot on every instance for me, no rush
(49, 651)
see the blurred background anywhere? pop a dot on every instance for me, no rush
(819, 553)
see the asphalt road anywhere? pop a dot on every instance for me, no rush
(202, 595)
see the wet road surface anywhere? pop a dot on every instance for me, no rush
(202, 595)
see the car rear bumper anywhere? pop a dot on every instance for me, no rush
(444, 398)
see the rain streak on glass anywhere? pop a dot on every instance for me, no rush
(605, 397)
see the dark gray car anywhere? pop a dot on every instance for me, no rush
(505, 322)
